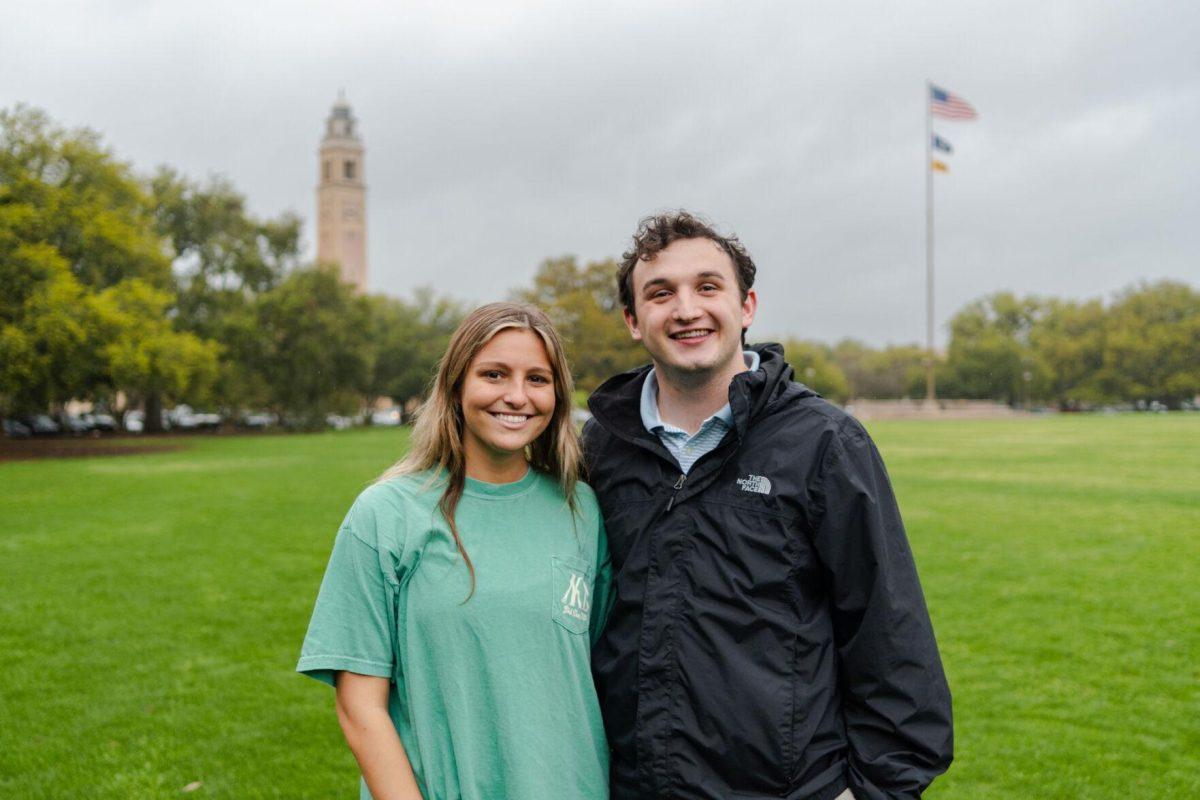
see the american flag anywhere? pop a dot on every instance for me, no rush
(949, 105)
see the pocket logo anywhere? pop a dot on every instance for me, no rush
(571, 597)
(577, 600)
(755, 483)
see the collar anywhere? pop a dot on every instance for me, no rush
(649, 402)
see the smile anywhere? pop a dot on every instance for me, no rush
(695, 334)
(511, 419)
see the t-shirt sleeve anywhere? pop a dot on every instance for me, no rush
(352, 626)
(602, 594)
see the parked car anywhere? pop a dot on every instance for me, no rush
(258, 420)
(103, 422)
(78, 424)
(41, 425)
(16, 430)
(388, 418)
(185, 418)
(135, 421)
(338, 422)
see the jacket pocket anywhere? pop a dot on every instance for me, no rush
(571, 593)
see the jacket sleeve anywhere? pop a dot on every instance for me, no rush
(896, 703)
(588, 441)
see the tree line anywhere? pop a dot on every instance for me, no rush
(162, 289)
(1142, 346)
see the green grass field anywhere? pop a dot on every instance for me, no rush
(152, 607)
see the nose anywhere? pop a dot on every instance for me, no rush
(515, 396)
(686, 309)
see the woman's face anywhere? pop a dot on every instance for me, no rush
(507, 397)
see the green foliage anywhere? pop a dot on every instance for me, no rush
(311, 345)
(85, 306)
(1153, 343)
(408, 339)
(894, 372)
(816, 369)
(223, 255)
(225, 259)
(62, 188)
(582, 303)
(146, 356)
(990, 351)
(1144, 346)
(1069, 344)
(46, 351)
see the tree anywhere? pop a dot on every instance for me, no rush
(893, 372)
(1069, 344)
(63, 189)
(990, 353)
(219, 248)
(74, 223)
(146, 357)
(46, 347)
(408, 340)
(1153, 343)
(815, 368)
(582, 302)
(311, 346)
(224, 258)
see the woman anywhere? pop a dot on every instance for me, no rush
(467, 584)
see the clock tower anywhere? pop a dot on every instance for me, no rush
(342, 197)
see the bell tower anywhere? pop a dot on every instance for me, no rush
(342, 197)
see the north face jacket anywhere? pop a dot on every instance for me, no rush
(768, 637)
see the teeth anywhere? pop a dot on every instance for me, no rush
(512, 417)
(690, 335)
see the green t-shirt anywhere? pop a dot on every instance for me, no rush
(492, 698)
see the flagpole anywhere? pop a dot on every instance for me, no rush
(930, 394)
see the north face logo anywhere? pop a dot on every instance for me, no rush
(577, 600)
(755, 483)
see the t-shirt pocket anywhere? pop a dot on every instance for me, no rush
(571, 593)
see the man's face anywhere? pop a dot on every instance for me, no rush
(689, 310)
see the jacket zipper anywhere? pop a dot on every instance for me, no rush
(678, 485)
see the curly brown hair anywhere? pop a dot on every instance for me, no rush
(656, 232)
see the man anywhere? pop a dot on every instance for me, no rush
(768, 636)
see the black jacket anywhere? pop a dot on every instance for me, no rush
(768, 636)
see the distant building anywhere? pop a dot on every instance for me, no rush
(342, 197)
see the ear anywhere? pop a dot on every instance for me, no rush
(749, 306)
(632, 323)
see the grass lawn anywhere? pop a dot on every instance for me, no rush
(152, 607)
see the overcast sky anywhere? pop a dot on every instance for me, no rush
(501, 133)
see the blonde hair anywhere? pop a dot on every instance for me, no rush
(437, 437)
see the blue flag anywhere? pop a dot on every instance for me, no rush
(941, 144)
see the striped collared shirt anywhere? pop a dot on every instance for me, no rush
(687, 448)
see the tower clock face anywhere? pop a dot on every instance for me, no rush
(351, 214)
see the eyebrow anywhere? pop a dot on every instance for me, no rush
(506, 365)
(706, 275)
